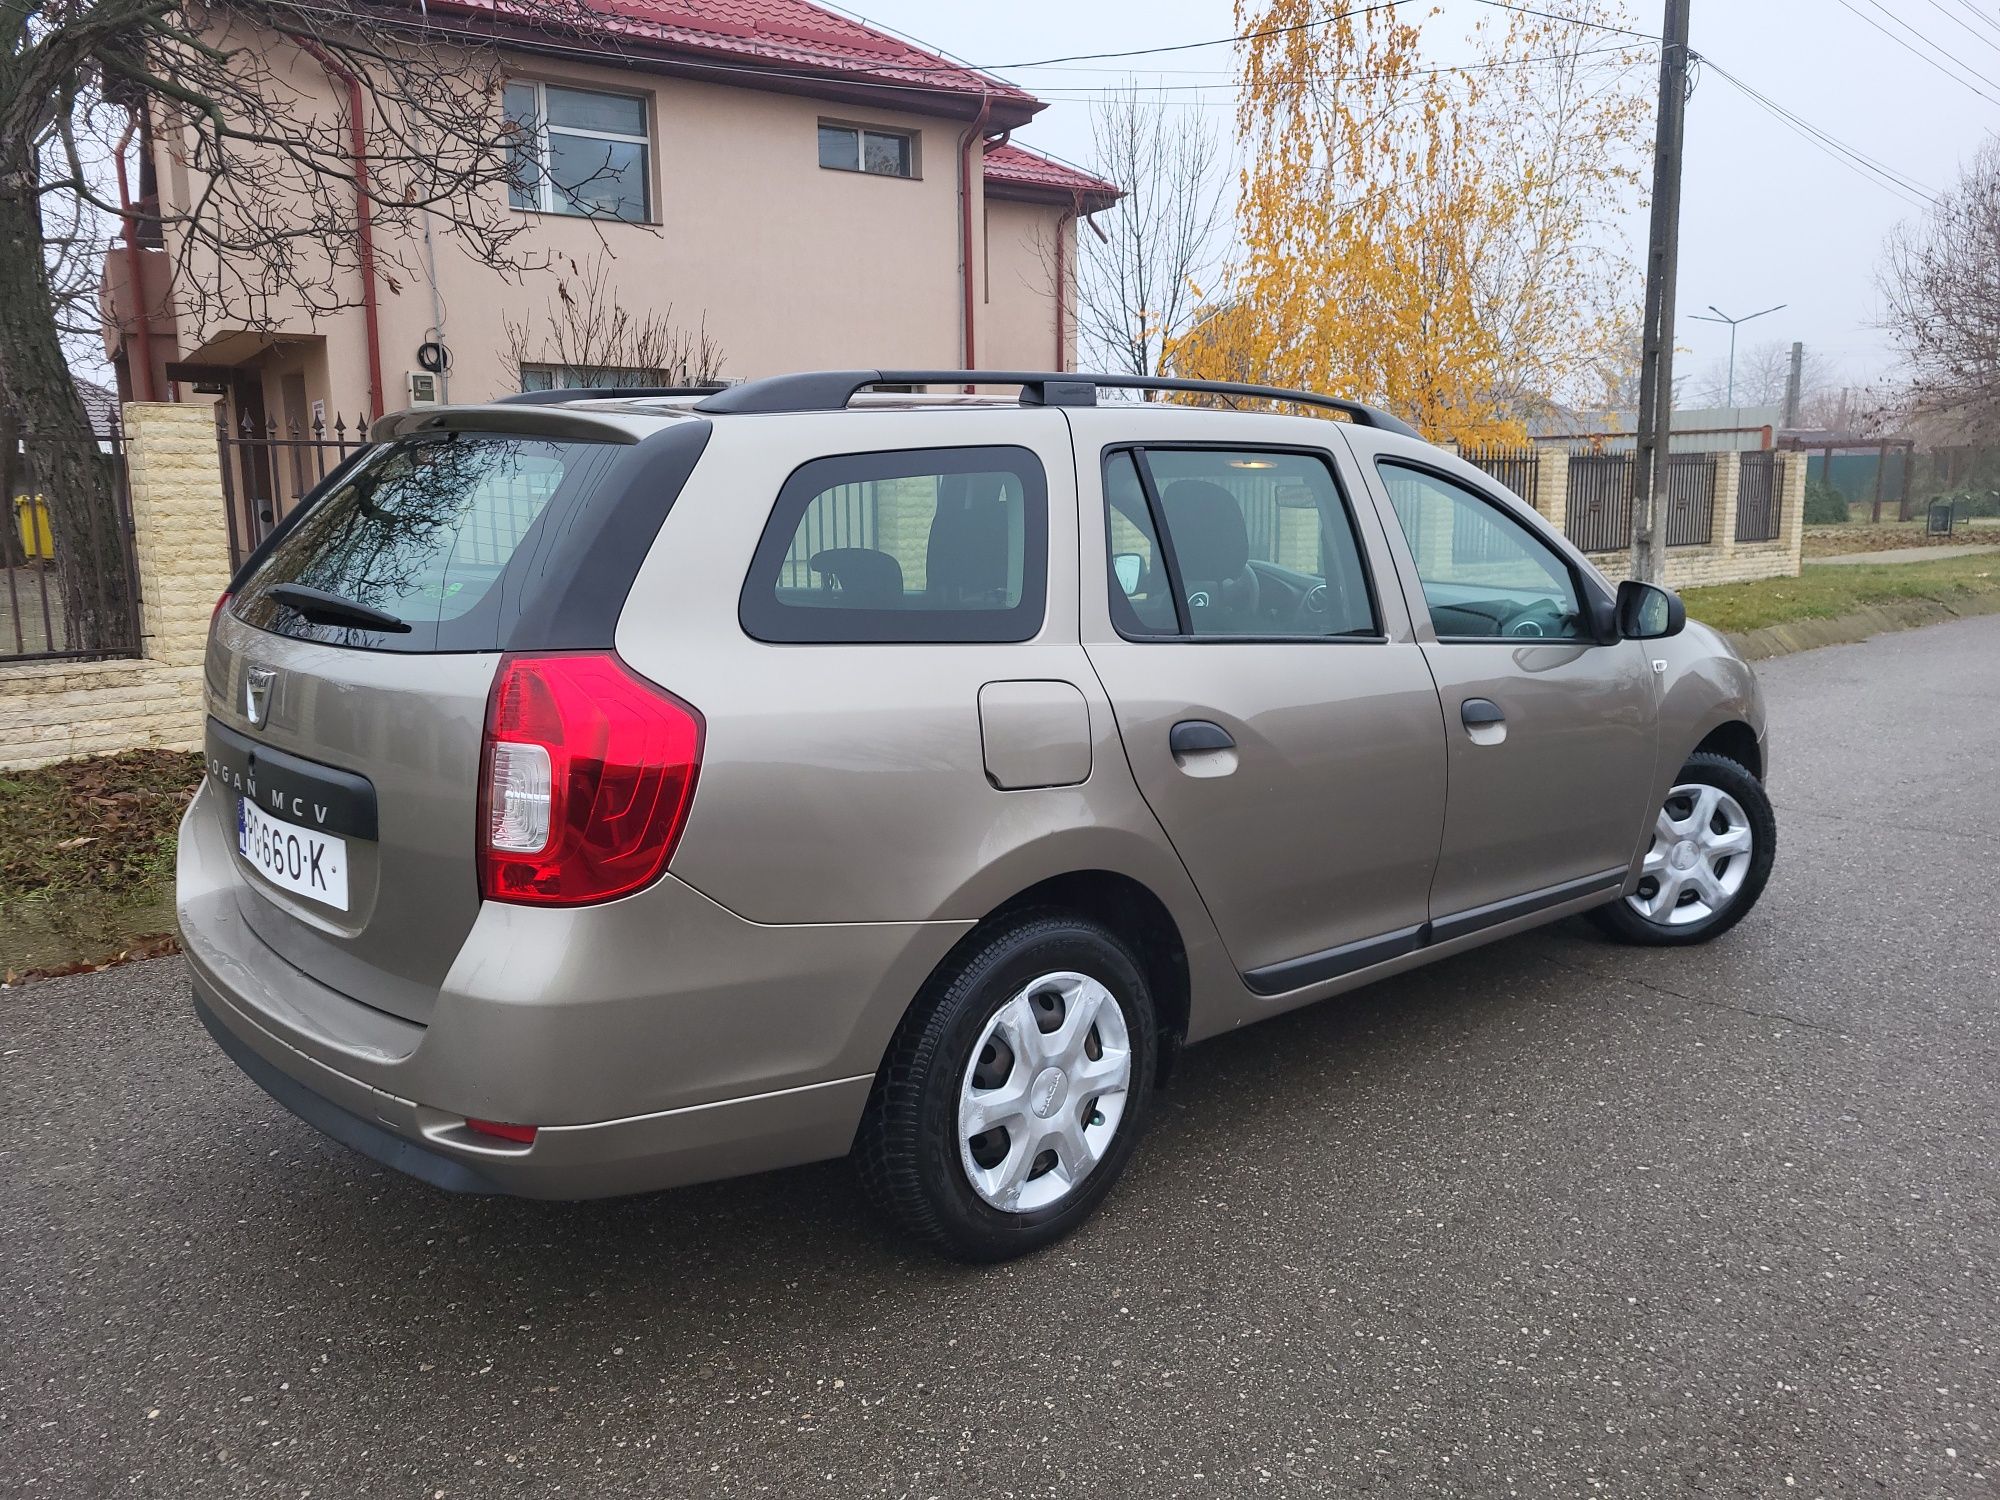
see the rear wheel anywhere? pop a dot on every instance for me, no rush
(1012, 1097)
(1714, 839)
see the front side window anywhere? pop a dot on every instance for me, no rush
(1484, 574)
(577, 151)
(935, 544)
(852, 148)
(1257, 542)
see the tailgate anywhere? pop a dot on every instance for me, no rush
(380, 752)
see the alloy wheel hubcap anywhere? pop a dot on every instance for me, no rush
(1699, 859)
(1044, 1092)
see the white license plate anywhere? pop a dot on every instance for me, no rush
(313, 865)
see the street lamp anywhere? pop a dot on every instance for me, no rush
(1723, 317)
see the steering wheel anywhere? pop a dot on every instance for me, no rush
(1543, 618)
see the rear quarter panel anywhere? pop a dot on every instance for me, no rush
(847, 783)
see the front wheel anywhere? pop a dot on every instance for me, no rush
(1013, 1095)
(1713, 843)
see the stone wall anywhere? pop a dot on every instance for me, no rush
(51, 711)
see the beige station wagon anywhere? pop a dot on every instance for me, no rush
(615, 790)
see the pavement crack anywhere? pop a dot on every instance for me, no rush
(1739, 1010)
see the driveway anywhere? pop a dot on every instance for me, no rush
(1551, 1219)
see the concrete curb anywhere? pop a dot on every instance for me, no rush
(1851, 629)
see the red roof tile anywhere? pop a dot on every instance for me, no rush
(1018, 168)
(782, 35)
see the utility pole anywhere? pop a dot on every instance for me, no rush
(1795, 381)
(1729, 400)
(1656, 360)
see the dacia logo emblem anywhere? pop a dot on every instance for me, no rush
(257, 693)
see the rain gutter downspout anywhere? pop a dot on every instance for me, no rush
(364, 226)
(973, 134)
(144, 387)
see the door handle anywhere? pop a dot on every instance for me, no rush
(1479, 713)
(1192, 736)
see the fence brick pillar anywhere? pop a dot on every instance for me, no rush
(1551, 495)
(179, 533)
(1728, 488)
(1792, 509)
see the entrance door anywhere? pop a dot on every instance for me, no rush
(1551, 736)
(1277, 716)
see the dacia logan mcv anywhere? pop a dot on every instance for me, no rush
(608, 791)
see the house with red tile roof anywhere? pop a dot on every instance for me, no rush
(773, 182)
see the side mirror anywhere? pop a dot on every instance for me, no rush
(1129, 567)
(1646, 613)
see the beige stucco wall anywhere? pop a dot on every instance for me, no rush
(1017, 315)
(788, 264)
(51, 711)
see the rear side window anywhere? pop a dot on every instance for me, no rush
(930, 544)
(429, 531)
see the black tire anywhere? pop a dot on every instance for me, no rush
(908, 1151)
(1707, 769)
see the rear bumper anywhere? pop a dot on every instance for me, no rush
(654, 1041)
(726, 1139)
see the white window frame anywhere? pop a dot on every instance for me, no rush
(910, 138)
(549, 198)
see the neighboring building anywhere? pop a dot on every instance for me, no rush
(1719, 429)
(795, 185)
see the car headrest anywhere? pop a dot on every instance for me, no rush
(869, 579)
(1210, 540)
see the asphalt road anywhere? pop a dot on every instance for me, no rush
(1555, 1218)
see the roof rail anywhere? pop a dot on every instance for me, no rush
(604, 393)
(831, 390)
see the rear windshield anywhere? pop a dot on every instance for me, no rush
(441, 532)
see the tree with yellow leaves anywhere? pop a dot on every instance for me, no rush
(1440, 240)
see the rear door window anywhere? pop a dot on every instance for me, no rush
(1244, 542)
(931, 544)
(440, 533)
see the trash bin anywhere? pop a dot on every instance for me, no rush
(31, 523)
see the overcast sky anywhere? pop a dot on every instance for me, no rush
(1767, 217)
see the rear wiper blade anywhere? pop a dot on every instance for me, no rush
(325, 608)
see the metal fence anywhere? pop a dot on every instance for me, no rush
(1520, 469)
(69, 583)
(1598, 517)
(1690, 509)
(267, 470)
(1759, 488)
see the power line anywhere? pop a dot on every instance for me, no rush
(1977, 14)
(1959, 21)
(1859, 162)
(1932, 42)
(1845, 5)
(1549, 15)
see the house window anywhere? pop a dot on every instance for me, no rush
(590, 377)
(849, 148)
(576, 151)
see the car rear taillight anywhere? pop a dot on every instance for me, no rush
(586, 778)
(221, 603)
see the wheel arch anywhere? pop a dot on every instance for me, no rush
(1127, 907)
(1737, 741)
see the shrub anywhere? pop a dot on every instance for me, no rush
(1825, 505)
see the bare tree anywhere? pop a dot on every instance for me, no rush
(583, 328)
(280, 189)
(1763, 370)
(1140, 286)
(1940, 280)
